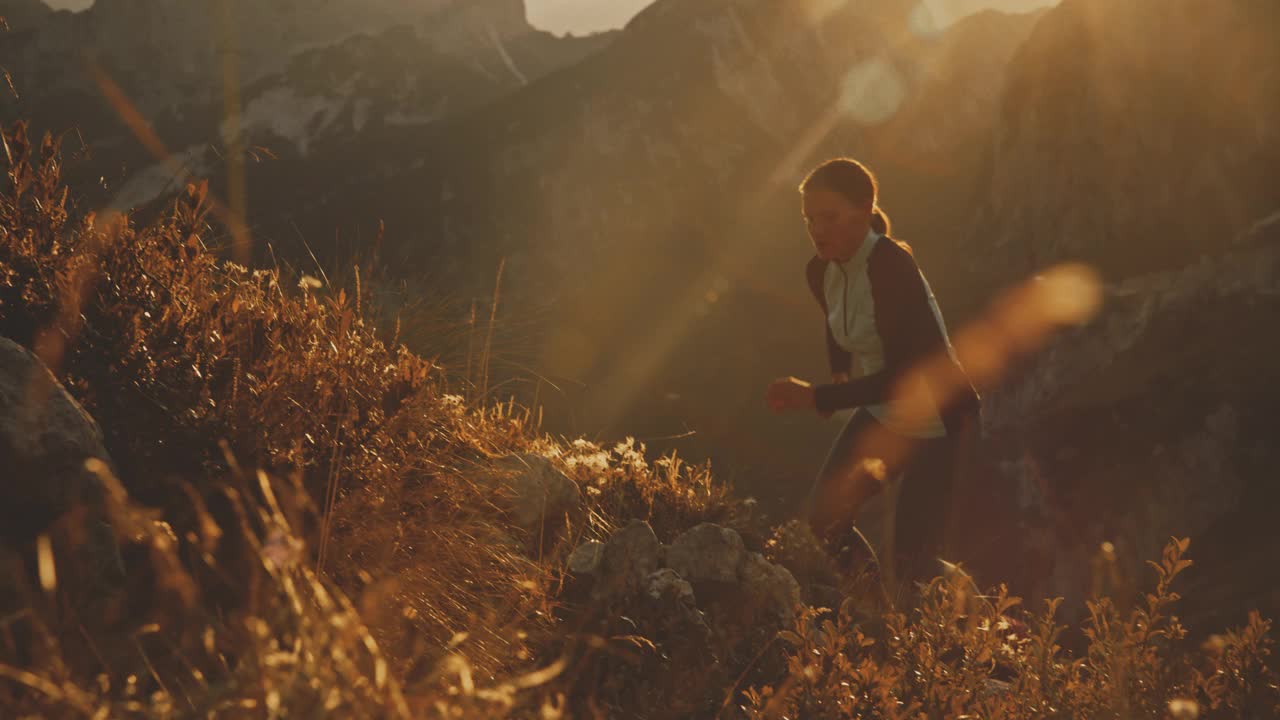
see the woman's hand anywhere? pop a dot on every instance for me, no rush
(789, 393)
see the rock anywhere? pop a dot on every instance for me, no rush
(772, 586)
(673, 611)
(993, 688)
(668, 583)
(826, 596)
(585, 559)
(536, 495)
(46, 491)
(707, 552)
(627, 560)
(45, 437)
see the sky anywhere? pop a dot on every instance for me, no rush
(585, 16)
(582, 16)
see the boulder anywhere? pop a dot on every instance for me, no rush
(627, 560)
(535, 495)
(706, 553)
(771, 586)
(46, 490)
(668, 583)
(585, 559)
(630, 565)
(45, 438)
(670, 609)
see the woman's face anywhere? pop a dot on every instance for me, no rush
(836, 226)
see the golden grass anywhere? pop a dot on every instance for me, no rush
(964, 654)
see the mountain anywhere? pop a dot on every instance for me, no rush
(1141, 138)
(22, 14)
(694, 105)
(301, 76)
(1134, 136)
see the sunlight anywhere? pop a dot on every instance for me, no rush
(581, 17)
(819, 10)
(872, 92)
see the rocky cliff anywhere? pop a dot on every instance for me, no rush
(1136, 136)
(1141, 138)
(279, 77)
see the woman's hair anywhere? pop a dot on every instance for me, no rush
(854, 181)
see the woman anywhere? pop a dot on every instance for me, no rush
(915, 410)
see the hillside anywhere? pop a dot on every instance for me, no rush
(328, 529)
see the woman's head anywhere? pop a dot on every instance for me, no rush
(839, 205)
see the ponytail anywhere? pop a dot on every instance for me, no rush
(879, 221)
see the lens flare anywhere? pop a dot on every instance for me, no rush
(1018, 323)
(872, 92)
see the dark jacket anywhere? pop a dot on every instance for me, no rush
(910, 334)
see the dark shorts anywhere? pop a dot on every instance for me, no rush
(927, 471)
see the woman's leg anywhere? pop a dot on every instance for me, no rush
(837, 493)
(924, 505)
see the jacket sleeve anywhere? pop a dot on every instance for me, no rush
(838, 358)
(909, 332)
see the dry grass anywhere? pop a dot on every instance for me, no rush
(302, 535)
(964, 654)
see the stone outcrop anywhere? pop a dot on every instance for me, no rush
(535, 495)
(47, 493)
(706, 552)
(45, 438)
(632, 563)
(627, 560)
(1151, 421)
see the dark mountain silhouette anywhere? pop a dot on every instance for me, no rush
(303, 76)
(1135, 136)
(22, 14)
